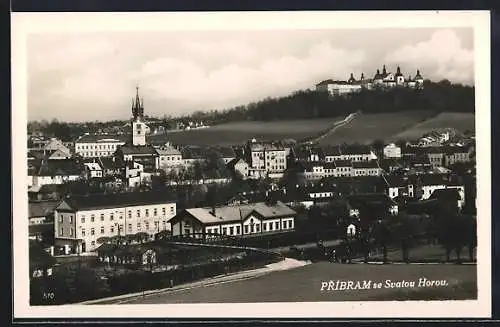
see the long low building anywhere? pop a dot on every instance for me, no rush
(81, 220)
(234, 220)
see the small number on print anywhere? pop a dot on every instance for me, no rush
(48, 295)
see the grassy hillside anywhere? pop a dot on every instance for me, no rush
(459, 121)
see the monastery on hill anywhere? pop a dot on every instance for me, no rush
(384, 80)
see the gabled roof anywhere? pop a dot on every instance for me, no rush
(109, 163)
(238, 212)
(343, 163)
(236, 161)
(365, 164)
(41, 208)
(168, 151)
(129, 149)
(193, 152)
(102, 201)
(56, 144)
(61, 167)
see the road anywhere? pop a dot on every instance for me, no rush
(304, 284)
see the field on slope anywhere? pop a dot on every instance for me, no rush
(459, 121)
(239, 132)
(369, 127)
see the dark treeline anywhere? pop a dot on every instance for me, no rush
(306, 104)
(437, 97)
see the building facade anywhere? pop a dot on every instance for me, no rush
(80, 221)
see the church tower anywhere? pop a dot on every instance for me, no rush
(139, 128)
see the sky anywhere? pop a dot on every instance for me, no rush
(93, 76)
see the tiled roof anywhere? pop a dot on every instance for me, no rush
(237, 212)
(331, 151)
(101, 138)
(365, 164)
(41, 208)
(109, 163)
(445, 194)
(192, 152)
(168, 151)
(129, 149)
(61, 167)
(343, 163)
(101, 201)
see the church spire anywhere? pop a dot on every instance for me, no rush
(384, 71)
(137, 105)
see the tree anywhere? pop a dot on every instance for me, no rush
(382, 236)
(141, 237)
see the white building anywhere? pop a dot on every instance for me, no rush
(81, 221)
(57, 172)
(267, 156)
(392, 151)
(235, 220)
(98, 145)
(169, 158)
(93, 170)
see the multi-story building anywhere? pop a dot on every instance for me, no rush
(392, 151)
(81, 220)
(93, 170)
(385, 79)
(354, 153)
(169, 158)
(98, 145)
(267, 156)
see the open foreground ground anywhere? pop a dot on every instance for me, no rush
(305, 284)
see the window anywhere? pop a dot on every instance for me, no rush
(147, 225)
(164, 211)
(102, 229)
(112, 229)
(60, 218)
(92, 243)
(231, 230)
(246, 229)
(264, 227)
(138, 213)
(164, 224)
(71, 232)
(147, 212)
(290, 224)
(138, 226)
(171, 209)
(102, 217)
(130, 213)
(285, 223)
(61, 231)
(92, 218)
(224, 230)
(257, 228)
(92, 231)
(83, 231)
(155, 212)
(111, 217)
(237, 230)
(252, 228)
(70, 219)
(83, 219)
(129, 227)
(277, 225)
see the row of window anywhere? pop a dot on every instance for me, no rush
(365, 157)
(138, 214)
(96, 147)
(173, 158)
(253, 228)
(119, 228)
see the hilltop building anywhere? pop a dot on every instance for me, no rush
(380, 80)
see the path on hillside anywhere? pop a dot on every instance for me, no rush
(336, 125)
